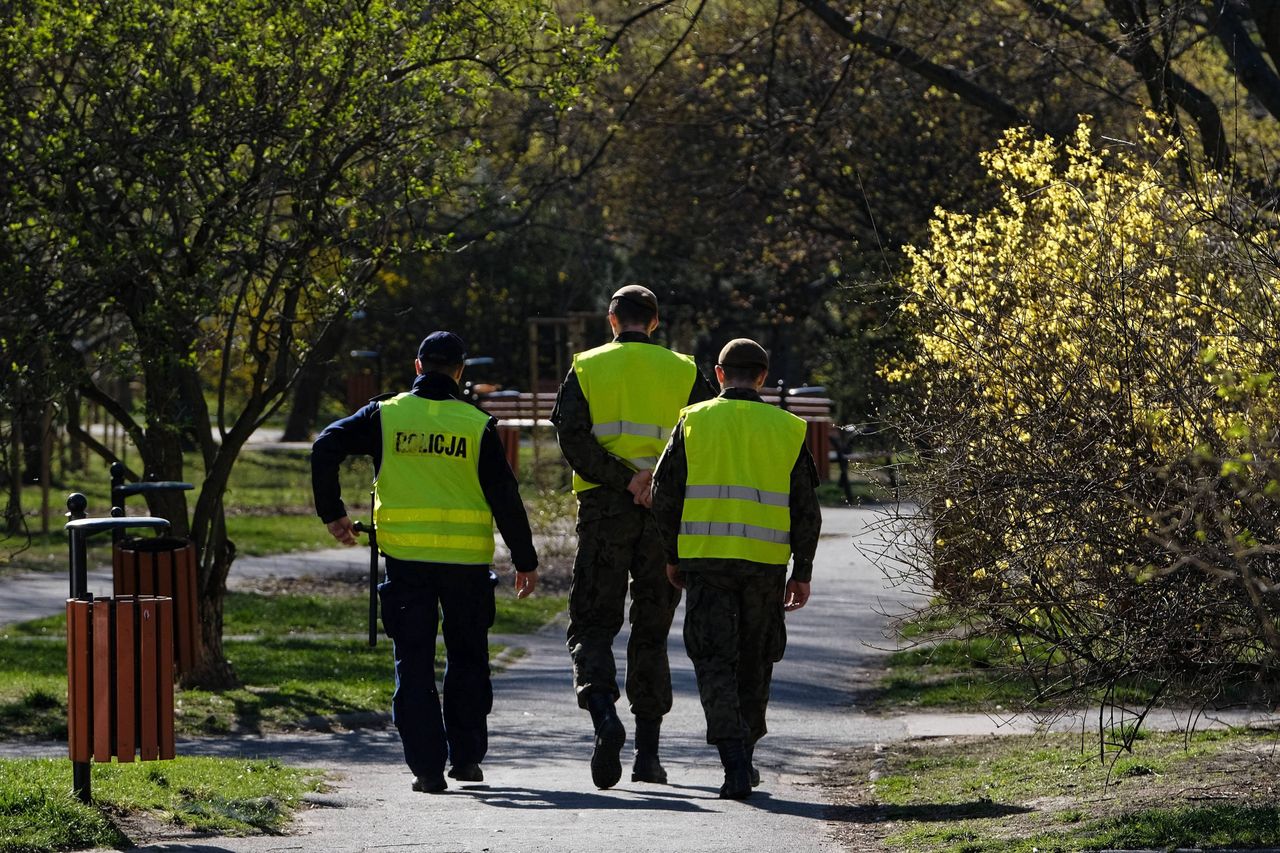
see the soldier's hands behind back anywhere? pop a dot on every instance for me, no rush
(641, 488)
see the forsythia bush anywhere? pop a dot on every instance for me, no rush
(1099, 468)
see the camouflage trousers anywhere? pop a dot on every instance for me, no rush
(614, 553)
(734, 632)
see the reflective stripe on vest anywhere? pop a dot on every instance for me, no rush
(634, 392)
(735, 529)
(737, 499)
(428, 504)
(741, 493)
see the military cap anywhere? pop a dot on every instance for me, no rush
(637, 295)
(442, 348)
(744, 352)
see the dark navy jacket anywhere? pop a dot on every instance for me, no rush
(361, 435)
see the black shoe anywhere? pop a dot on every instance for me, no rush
(606, 765)
(737, 770)
(467, 773)
(647, 768)
(751, 760)
(429, 784)
(737, 784)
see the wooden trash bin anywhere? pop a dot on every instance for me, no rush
(120, 678)
(510, 438)
(163, 566)
(818, 439)
(361, 388)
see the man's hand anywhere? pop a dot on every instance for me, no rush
(796, 596)
(526, 582)
(641, 488)
(675, 575)
(343, 530)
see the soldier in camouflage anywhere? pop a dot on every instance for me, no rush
(615, 409)
(729, 522)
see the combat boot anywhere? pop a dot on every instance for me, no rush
(737, 770)
(431, 783)
(751, 762)
(606, 764)
(647, 767)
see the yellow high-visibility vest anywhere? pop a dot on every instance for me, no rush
(427, 502)
(635, 392)
(737, 497)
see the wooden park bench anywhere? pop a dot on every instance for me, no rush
(519, 410)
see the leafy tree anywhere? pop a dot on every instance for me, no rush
(221, 182)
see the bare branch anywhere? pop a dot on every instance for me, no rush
(952, 81)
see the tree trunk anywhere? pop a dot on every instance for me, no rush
(215, 553)
(175, 409)
(299, 426)
(75, 449)
(213, 671)
(163, 461)
(13, 506)
(309, 391)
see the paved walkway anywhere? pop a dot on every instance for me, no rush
(538, 795)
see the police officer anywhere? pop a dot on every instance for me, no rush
(615, 409)
(442, 479)
(734, 497)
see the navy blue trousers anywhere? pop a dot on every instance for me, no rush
(417, 599)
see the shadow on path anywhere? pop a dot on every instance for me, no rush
(542, 798)
(922, 812)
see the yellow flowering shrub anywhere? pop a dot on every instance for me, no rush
(1098, 423)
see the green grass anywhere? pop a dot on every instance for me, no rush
(1202, 826)
(965, 667)
(299, 657)
(958, 674)
(225, 796)
(1018, 794)
(864, 492)
(269, 507)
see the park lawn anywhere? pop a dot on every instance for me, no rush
(219, 795)
(269, 507)
(952, 674)
(300, 657)
(1019, 794)
(947, 666)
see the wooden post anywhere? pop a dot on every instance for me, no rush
(533, 389)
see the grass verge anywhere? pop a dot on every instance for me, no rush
(226, 796)
(1018, 794)
(300, 657)
(269, 508)
(951, 666)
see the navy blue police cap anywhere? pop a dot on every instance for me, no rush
(442, 348)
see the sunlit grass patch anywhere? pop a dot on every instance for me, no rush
(226, 796)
